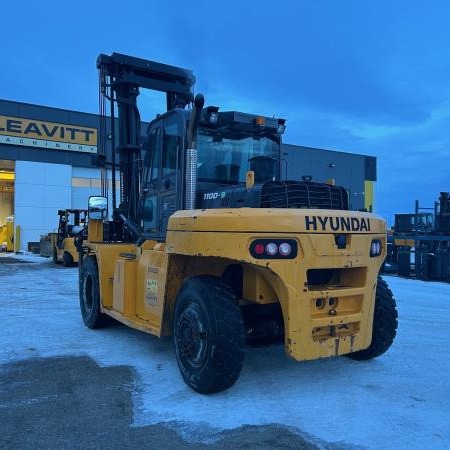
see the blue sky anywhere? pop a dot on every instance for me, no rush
(357, 76)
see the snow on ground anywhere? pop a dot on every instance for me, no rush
(399, 400)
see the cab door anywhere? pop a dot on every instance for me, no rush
(151, 182)
(160, 195)
(170, 194)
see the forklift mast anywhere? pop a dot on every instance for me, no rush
(120, 77)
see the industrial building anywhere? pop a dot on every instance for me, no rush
(47, 163)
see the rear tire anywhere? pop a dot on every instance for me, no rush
(90, 295)
(67, 260)
(384, 324)
(209, 335)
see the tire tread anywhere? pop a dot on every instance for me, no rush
(385, 322)
(228, 354)
(95, 319)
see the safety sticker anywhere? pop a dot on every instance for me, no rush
(151, 295)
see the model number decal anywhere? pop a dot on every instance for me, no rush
(213, 195)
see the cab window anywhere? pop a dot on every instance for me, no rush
(152, 156)
(170, 146)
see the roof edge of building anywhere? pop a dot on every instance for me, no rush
(49, 107)
(328, 150)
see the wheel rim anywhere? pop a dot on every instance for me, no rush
(192, 336)
(88, 295)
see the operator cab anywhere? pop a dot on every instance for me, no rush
(232, 143)
(229, 145)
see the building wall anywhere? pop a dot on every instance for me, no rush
(354, 172)
(86, 182)
(40, 190)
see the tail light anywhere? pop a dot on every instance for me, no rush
(375, 248)
(274, 249)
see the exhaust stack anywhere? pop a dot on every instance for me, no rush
(191, 152)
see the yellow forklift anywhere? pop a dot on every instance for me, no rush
(71, 223)
(7, 235)
(210, 246)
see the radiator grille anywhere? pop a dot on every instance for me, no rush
(295, 194)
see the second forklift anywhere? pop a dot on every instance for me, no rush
(71, 222)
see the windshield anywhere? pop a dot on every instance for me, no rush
(227, 159)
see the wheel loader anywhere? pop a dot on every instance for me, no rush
(208, 244)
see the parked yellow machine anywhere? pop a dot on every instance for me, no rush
(7, 235)
(71, 222)
(212, 248)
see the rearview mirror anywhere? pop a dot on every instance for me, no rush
(98, 208)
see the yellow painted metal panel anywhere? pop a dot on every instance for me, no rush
(6, 176)
(17, 239)
(151, 287)
(95, 230)
(107, 255)
(241, 220)
(368, 195)
(124, 291)
(69, 247)
(405, 242)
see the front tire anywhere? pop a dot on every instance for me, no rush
(209, 334)
(90, 295)
(385, 321)
(67, 260)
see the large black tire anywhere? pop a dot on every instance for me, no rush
(384, 324)
(67, 260)
(209, 334)
(90, 295)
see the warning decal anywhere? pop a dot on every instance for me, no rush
(151, 294)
